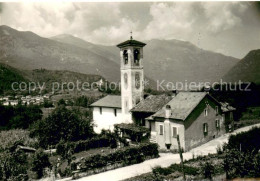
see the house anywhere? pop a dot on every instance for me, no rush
(196, 117)
(106, 113)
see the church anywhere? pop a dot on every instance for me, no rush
(196, 117)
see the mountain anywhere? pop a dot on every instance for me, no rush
(169, 60)
(27, 50)
(246, 70)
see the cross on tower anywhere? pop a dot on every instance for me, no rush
(131, 35)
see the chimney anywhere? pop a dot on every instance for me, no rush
(145, 96)
(167, 127)
(174, 92)
(168, 111)
(207, 89)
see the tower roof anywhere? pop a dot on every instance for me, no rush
(131, 42)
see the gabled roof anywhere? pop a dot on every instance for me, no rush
(131, 42)
(152, 103)
(112, 101)
(182, 105)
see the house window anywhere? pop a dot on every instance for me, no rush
(217, 123)
(216, 110)
(115, 112)
(100, 110)
(161, 129)
(205, 112)
(174, 132)
(205, 129)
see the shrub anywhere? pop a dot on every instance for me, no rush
(239, 164)
(162, 171)
(84, 145)
(207, 170)
(126, 155)
(246, 141)
(40, 161)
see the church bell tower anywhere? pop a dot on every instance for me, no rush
(132, 76)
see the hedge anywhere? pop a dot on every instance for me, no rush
(83, 145)
(125, 156)
(246, 141)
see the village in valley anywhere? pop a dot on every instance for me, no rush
(119, 125)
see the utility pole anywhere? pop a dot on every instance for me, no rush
(180, 152)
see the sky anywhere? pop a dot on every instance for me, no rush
(230, 28)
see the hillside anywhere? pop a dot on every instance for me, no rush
(27, 50)
(51, 77)
(246, 70)
(8, 75)
(170, 60)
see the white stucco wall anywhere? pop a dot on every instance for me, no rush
(107, 119)
(160, 139)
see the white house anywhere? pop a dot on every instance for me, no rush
(106, 113)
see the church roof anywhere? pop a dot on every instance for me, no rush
(112, 101)
(152, 103)
(182, 105)
(131, 42)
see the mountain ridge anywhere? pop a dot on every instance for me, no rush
(246, 70)
(169, 60)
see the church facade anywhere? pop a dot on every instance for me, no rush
(195, 116)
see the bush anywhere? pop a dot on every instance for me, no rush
(246, 141)
(126, 155)
(84, 145)
(242, 164)
(162, 171)
(207, 170)
(40, 161)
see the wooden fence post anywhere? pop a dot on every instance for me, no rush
(180, 152)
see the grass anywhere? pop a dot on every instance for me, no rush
(8, 138)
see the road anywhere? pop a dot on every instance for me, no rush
(165, 160)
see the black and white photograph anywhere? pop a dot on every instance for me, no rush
(129, 90)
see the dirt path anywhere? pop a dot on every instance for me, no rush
(165, 160)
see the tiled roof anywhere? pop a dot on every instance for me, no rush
(131, 43)
(112, 101)
(152, 103)
(225, 107)
(182, 105)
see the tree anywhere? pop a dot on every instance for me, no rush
(62, 124)
(12, 164)
(40, 161)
